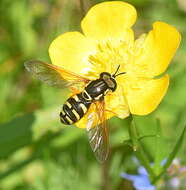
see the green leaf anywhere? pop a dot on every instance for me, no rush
(172, 155)
(26, 129)
(16, 134)
(147, 126)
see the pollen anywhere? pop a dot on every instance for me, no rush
(109, 54)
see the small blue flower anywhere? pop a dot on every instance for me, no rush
(140, 181)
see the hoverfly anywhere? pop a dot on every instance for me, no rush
(78, 104)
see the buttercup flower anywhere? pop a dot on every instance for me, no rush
(108, 41)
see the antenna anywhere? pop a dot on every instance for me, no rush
(115, 74)
(120, 74)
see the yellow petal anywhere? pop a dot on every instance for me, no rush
(109, 19)
(146, 96)
(158, 49)
(116, 104)
(70, 51)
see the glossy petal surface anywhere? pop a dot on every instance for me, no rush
(70, 51)
(109, 20)
(158, 48)
(144, 96)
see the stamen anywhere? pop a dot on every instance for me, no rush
(107, 55)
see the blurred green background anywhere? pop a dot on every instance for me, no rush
(36, 151)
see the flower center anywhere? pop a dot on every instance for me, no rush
(108, 56)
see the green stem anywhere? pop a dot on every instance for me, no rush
(139, 152)
(82, 7)
(171, 156)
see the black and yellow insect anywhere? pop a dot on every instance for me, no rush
(77, 105)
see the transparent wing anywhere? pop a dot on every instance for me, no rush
(98, 132)
(54, 75)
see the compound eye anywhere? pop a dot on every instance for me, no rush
(113, 89)
(113, 86)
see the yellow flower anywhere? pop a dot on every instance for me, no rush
(108, 41)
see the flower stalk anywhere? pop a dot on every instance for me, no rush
(138, 149)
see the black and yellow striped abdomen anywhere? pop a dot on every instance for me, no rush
(77, 106)
(74, 109)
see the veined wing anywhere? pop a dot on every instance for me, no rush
(54, 75)
(98, 132)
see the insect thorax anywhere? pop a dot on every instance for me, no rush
(97, 89)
